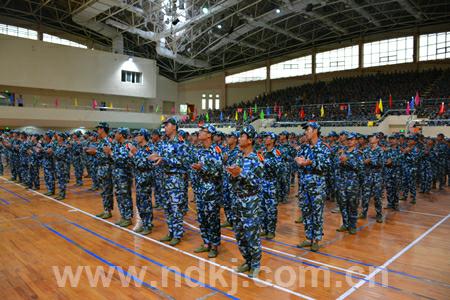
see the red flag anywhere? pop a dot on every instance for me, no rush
(279, 112)
(390, 101)
(417, 99)
(173, 110)
(194, 115)
(408, 108)
(250, 112)
(442, 109)
(377, 109)
(94, 103)
(302, 113)
(56, 102)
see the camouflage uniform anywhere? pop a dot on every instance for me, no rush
(122, 179)
(104, 174)
(144, 177)
(35, 162)
(373, 180)
(173, 153)
(313, 187)
(77, 150)
(61, 157)
(209, 193)
(269, 205)
(247, 192)
(392, 176)
(227, 189)
(410, 169)
(350, 187)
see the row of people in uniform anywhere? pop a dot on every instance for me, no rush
(249, 175)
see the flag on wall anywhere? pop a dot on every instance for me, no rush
(408, 108)
(377, 108)
(261, 115)
(268, 111)
(390, 101)
(157, 108)
(302, 113)
(110, 105)
(411, 104)
(417, 99)
(142, 108)
(207, 117)
(442, 109)
(349, 111)
(245, 115)
(322, 112)
(279, 111)
(94, 104)
(221, 116)
(380, 105)
(56, 102)
(75, 102)
(236, 117)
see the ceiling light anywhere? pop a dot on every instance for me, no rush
(205, 10)
(219, 26)
(277, 10)
(130, 58)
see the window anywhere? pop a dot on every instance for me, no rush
(294, 67)
(434, 46)
(183, 109)
(130, 76)
(210, 104)
(217, 102)
(252, 75)
(56, 40)
(18, 31)
(337, 59)
(389, 52)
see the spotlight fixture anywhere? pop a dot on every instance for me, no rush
(219, 26)
(277, 10)
(205, 10)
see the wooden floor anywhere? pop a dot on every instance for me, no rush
(406, 257)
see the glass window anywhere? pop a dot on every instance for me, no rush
(217, 103)
(252, 75)
(183, 109)
(56, 40)
(18, 31)
(337, 59)
(130, 76)
(210, 104)
(434, 46)
(389, 52)
(290, 68)
(203, 103)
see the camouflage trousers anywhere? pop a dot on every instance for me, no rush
(49, 175)
(208, 213)
(409, 182)
(78, 167)
(372, 188)
(123, 180)
(227, 200)
(246, 229)
(174, 193)
(34, 175)
(61, 176)
(349, 193)
(104, 175)
(144, 198)
(269, 206)
(312, 194)
(392, 180)
(426, 178)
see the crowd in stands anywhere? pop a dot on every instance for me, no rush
(360, 93)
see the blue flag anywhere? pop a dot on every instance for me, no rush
(268, 111)
(142, 107)
(221, 116)
(349, 111)
(411, 104)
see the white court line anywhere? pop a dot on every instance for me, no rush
(391, 260)
(173, 248)
(292, 255)
(421, 213)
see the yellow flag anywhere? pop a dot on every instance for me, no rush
(380, 105)
(110, 105)
(75, 102)
(322, 112)
(162, 118)
(236, 117)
